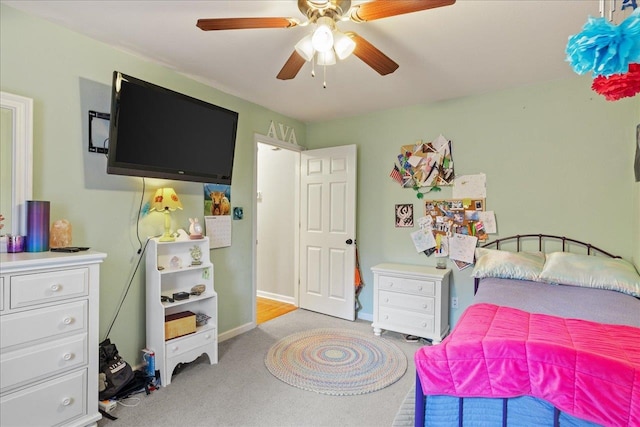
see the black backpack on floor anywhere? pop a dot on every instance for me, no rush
(115, 372)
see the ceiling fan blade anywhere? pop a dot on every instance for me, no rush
(378, 9)
(291, 67)
(244, 23)
(372, 56)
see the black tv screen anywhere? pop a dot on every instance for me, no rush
(155, 132)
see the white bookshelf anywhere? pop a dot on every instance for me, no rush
(170, 269)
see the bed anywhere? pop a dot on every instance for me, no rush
(551, 338)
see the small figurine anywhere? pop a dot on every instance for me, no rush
(195, 229)
(175, 263)
(196, 255)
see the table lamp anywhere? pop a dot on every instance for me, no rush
(166, 200)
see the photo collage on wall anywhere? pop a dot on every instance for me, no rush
(453, 227)
(424, 165)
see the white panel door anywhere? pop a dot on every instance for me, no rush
(327, 230)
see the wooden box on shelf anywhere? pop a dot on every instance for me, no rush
(179, 324)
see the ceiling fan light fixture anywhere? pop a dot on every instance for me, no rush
(322, 38)
(305, 48)
(326, 58)
(343, 45)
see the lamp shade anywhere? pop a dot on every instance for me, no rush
(326, 58)
(343, 44)
(322, 37)
(165, 199)
(305, 48)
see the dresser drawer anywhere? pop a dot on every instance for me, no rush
(49, 322)
(400, 320)
(422, 287)
(1, 294)
(38, 288)
(50, 403)
(42, 360)
(424, 305)
(178, 346)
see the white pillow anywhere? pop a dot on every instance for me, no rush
(508, 265)
(590, 271)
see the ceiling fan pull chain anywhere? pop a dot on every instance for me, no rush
(313, 66)
(324, 76)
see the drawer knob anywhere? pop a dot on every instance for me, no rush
(67, 356)
(67, 320)
(390, 284)
(66, 401)
(386, 300)
(55, 287)
(424, 324)
(420, 287)
(174, 348)
(424, 305)
(386, 316)
(207, 336)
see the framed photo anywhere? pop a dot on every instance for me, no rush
(404, 215)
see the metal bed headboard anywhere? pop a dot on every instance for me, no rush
(566, 241)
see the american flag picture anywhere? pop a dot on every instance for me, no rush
(395, 174)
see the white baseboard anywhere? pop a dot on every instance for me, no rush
(236, 331)
(365, 316)
(277, 297)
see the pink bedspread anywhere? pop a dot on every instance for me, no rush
(586, 369)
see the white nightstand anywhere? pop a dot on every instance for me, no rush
(412, 300)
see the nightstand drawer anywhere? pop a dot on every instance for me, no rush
(424, 305)
(422, 287)
(45, 323)
(39, 288)
(51, 403)
(405, 320)
(42, 360)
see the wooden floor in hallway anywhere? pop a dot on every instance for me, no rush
(268, 309)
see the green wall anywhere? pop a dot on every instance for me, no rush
(558, 160)
(47, 63)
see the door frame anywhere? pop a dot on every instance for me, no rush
(259, 138)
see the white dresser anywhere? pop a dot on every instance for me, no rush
(49, 338)
(412, 300)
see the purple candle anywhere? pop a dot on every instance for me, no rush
(15, 243)
(37, 226)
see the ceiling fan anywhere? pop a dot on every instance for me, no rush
(327, 42)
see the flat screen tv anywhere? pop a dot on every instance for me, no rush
(155, 132)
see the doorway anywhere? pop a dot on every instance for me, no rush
(277, 172)
(283, 214)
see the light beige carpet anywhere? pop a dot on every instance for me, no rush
(405, 415)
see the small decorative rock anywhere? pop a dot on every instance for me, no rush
(60, 236)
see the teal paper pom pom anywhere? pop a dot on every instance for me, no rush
(603, 48)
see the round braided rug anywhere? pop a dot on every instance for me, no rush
(336, 361)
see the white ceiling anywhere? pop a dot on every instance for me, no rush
(471, 47)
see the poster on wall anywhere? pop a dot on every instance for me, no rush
(217, 214)
(404, 215)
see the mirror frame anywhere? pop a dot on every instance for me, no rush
(22, 162)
